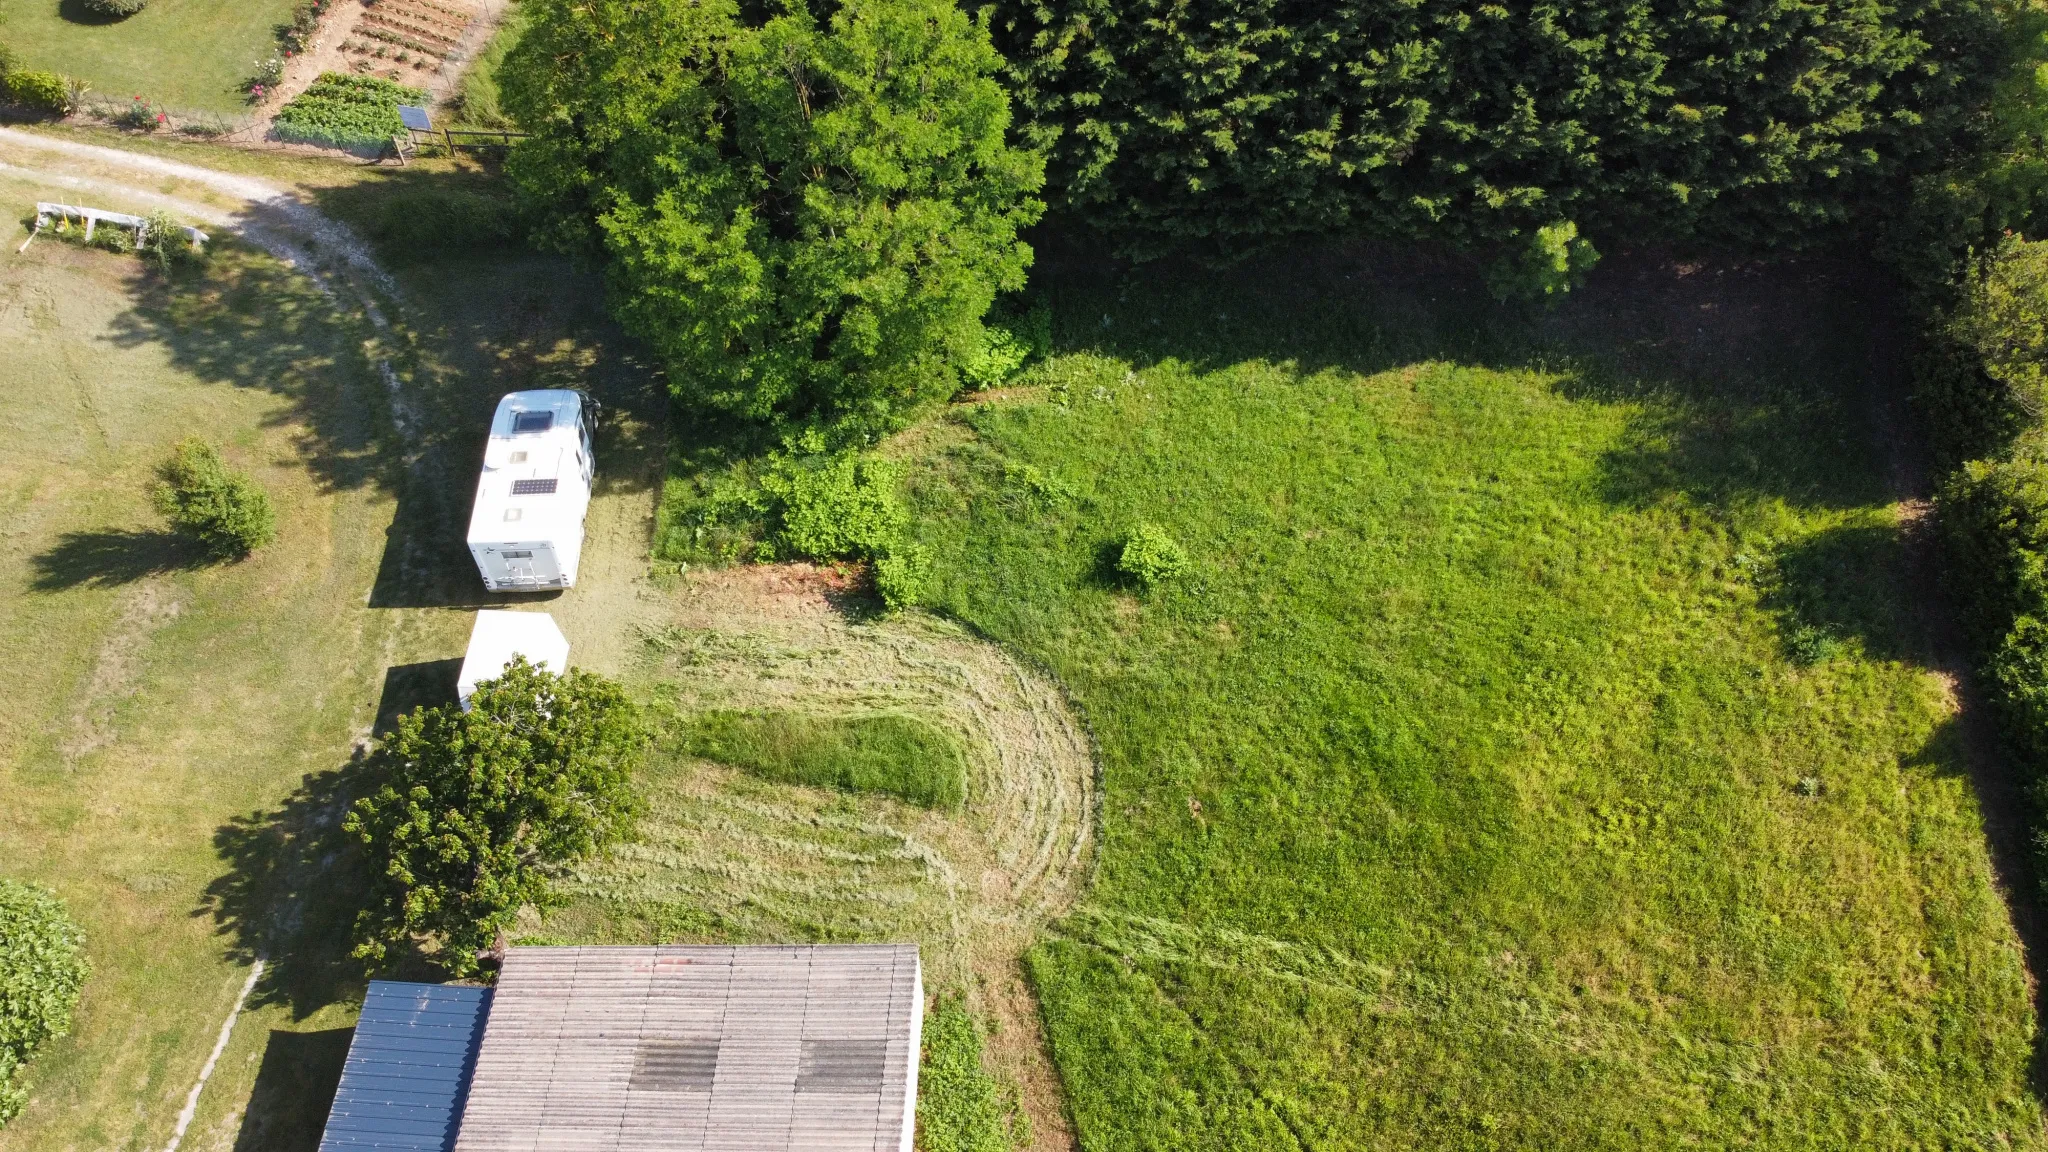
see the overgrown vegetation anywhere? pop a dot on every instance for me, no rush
(478, 101)
(472, 808)
(223, 510)
(346, 111)
(887, 752)
(806, 218)
(42, 969)
(960, 1107)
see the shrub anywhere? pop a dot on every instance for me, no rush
(1996, 346)
(1149, 557)
(471, 809)
(222, 509)
(118, 9)
(1549, 261)
(838, 506)
(42, 968)
(345, 111)
(806, 220)
(43, 92)
(960, 1106)
(162, 239)
(902, 574)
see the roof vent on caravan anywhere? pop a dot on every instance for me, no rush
(498, 636)
(526, 530)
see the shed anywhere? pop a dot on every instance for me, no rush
(687, 1047)
(682, 1048)
(408, 1068)
(500, 635)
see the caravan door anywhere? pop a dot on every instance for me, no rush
(531, 566)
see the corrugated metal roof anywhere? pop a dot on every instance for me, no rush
(408, 1068)
(687, 1048)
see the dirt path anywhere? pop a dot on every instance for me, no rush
(978, 885)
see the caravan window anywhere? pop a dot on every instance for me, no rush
(521, 555)
(532, 422)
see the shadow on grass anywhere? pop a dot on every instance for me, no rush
(294, 1090)
(121, 556)
(293, 886)
(1843, 583)
(1748, 379)
(427, 684)
(77, 12)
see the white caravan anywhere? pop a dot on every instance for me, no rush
(526, 531)
(499, 636)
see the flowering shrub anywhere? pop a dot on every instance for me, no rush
(266, 76)
(297, 36)
(345, 111)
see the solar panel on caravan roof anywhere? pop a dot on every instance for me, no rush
(534, 487)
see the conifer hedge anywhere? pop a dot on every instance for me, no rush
(1227, 123)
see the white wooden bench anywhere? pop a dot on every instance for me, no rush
(97, 216)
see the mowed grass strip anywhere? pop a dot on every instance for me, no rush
(1539, 752)
(886, 752)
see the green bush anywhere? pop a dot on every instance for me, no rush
(1549, 261)
(42, 968)
(960, 1106)
(115, 8)
(345, 111)
(835, 506)
(222, 509)
(807, 219)
(470, 809)
(886, 752)
(42, 92)
(1986, 381)
(1149, 557)
(903, 574)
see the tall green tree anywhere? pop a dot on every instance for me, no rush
(1228, 123)
(471, 809)
(807, 218)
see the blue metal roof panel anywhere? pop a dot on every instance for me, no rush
(408, 1068)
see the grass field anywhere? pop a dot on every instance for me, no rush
(189, 55)
(1541, 752)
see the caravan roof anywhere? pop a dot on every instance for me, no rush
(532, 474)
(499, 636)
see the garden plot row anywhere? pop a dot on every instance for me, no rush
(394, 36)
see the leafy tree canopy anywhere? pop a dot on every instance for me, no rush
(807, 219)
(472, 808)
(1226, 123)
(42, 968)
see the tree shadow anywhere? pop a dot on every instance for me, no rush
(295, 1087)
(293, 885)
(110, 558)
(245, 319)
(1743, 378)
(1844, 583)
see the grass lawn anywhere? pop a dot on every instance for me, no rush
(884, 752)
(1540, 753)
(175, 750)
(189, 55)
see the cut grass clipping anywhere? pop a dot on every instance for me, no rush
(885, 752)
(346, 111)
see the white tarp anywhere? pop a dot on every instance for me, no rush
(500, 635)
